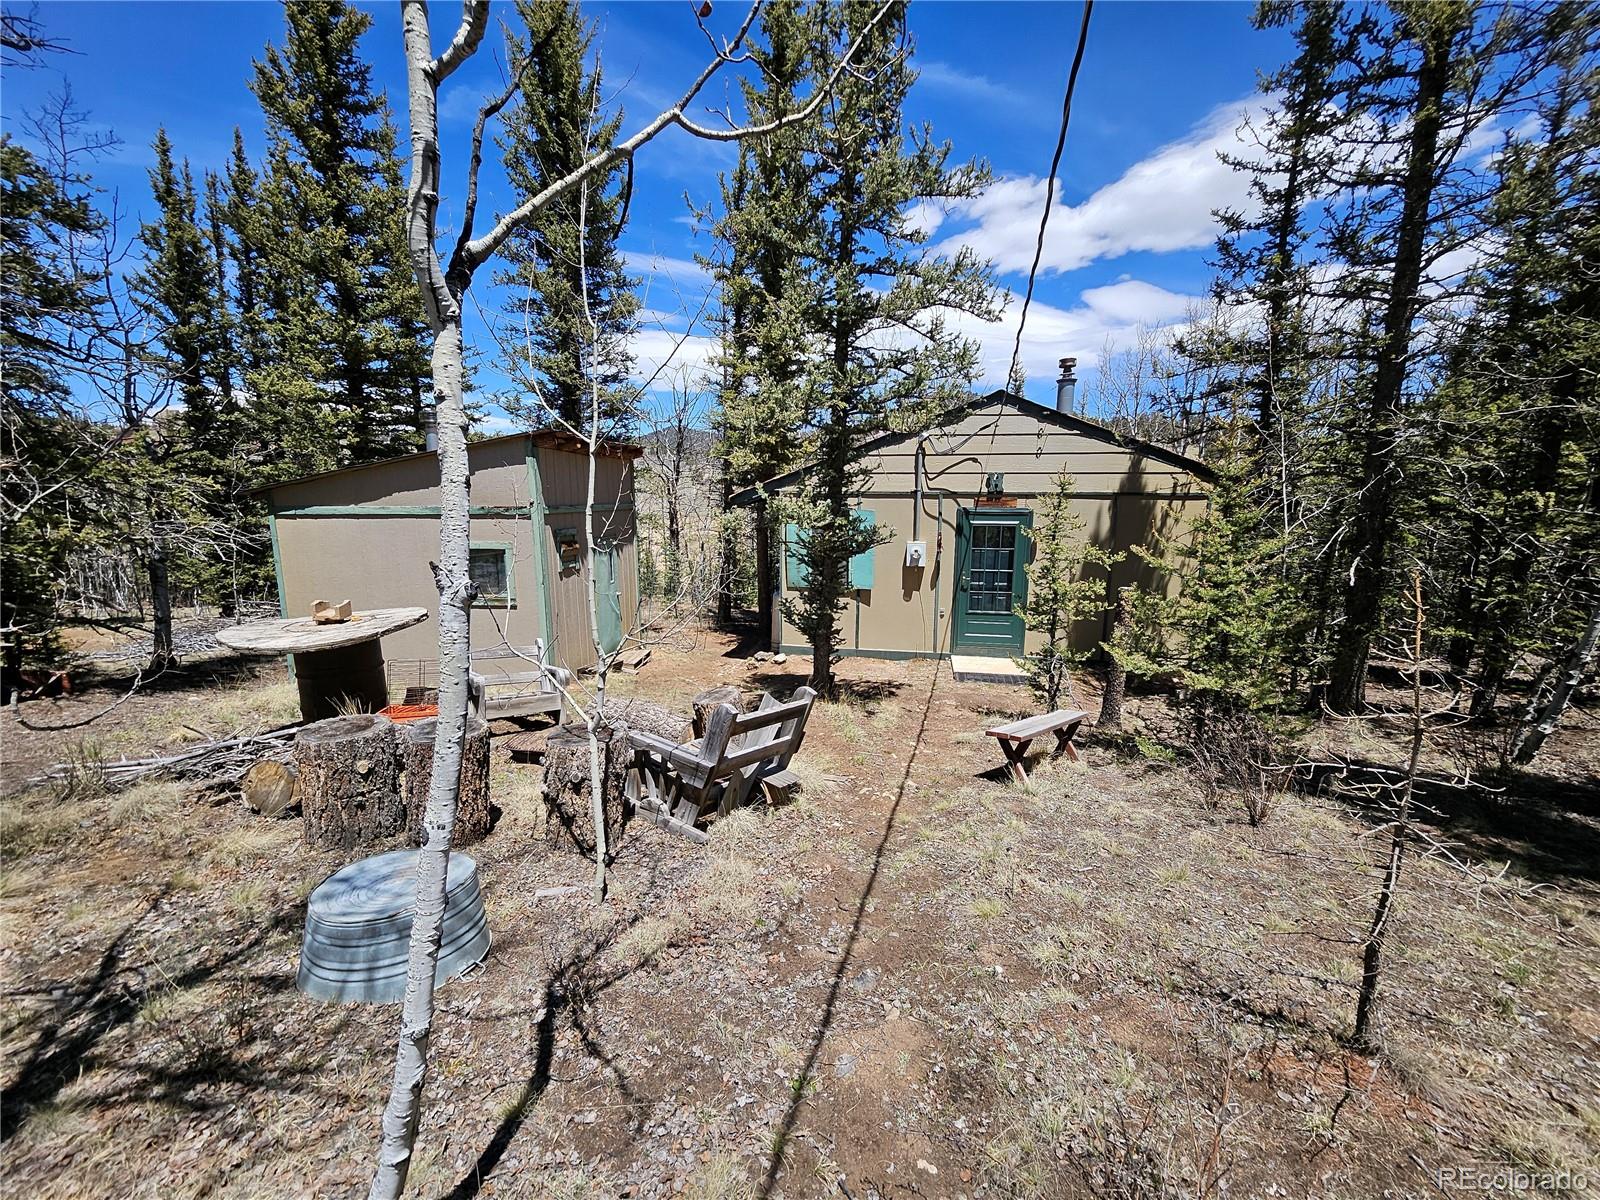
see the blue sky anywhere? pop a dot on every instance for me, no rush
(1162, 88)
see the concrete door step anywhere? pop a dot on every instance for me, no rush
(974, 668)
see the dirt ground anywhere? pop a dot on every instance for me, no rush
(918, 980)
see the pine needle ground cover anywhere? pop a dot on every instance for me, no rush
(1100, 985)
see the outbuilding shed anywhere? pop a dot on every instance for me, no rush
(958, 506)
(368, 533)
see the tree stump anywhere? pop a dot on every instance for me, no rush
(472, 806)
(709, 699)
(569, 818)
(349, 781)
(650, 717)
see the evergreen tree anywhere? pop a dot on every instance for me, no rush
(1064, 589)
(554, 126)
(48, 299)
(337, 286)
(179, 287)
(765, 207)
(857, 277)
(1518, 412)
(1424, 82)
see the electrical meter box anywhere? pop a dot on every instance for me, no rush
(916, 554)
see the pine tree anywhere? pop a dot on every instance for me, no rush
(179, 286)
(1064, 589)
(765, 204)
(337, 285)
(1425, 81)
(858, 274)
(47, 298)
(553, 127)
(1515, 417)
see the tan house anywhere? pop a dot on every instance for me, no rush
(368, 533)
(958, 504)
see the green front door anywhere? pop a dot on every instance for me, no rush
(991, 552)
(608, 597)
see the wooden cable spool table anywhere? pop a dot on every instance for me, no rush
(337, 667)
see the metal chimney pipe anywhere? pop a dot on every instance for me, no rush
(430, 431)
(1066, 386)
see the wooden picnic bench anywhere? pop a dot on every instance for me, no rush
(1016, 737)
(676, 785)
(537, 687)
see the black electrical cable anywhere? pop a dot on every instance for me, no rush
(1050, 185)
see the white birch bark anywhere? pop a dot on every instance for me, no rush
(442, 292)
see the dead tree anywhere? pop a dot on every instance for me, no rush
(444, 286)
(1556, 688)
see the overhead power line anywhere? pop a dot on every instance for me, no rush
(1050, 185)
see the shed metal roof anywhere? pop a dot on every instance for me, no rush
(1064, 421)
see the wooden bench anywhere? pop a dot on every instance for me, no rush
(538, 685)
(1016, 737)
(675, 786)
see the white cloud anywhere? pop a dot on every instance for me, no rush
(1162, 203)
(925, 216)
(673, 354)
(953, 80)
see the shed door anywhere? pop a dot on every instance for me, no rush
(608, 596)
(991, 550)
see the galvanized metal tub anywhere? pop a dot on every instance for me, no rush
(358, 928)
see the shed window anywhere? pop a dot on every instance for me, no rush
(489, 565)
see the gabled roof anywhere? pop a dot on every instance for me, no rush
(553, 438)
(1049, 416)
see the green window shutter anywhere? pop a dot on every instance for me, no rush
(861, 564)
(797, 570)
(861, 573)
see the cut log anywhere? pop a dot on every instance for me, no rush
(709, 699)
(472, 808)
(349, 781)
(780, 787)
(329, 612)
(270, 787)
(569, 818)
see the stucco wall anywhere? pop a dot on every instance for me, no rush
(382, 562)
(1125, 499)
(379, 559)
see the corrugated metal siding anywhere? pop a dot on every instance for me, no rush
(566, 479)
(499, 479)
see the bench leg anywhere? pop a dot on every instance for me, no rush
(1064, 745)
(1015, 752)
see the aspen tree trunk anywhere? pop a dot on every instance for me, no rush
(404, 1108)
(441, 292)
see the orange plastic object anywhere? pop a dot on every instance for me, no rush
(401, 713)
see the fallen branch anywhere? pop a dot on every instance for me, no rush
(221, 762)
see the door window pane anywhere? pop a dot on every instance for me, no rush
(992, 570)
